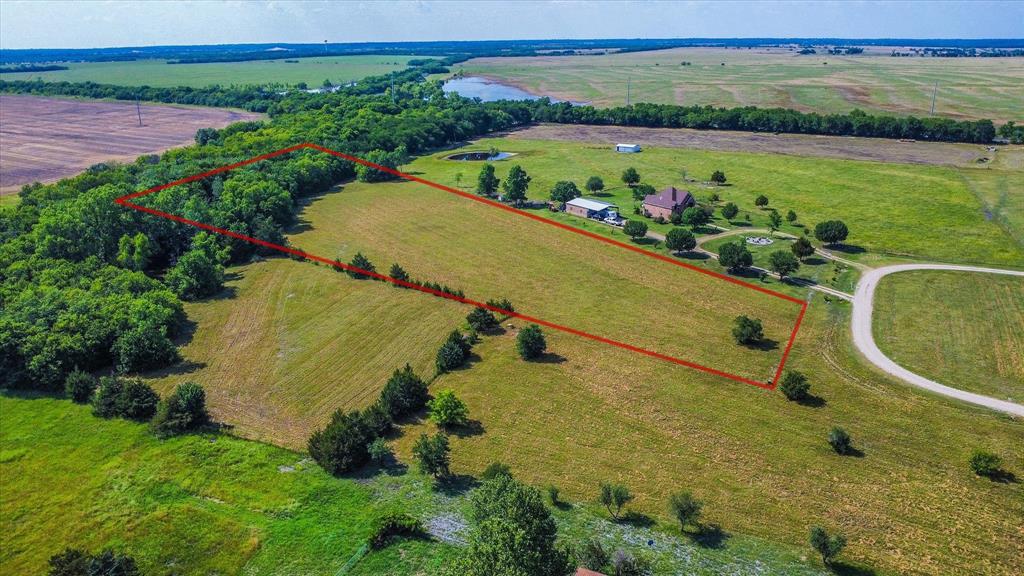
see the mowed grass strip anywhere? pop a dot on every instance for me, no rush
(761, 464)
(962, 329)
(290, 342)
(197, 504)
(549, 273)
(892, 210)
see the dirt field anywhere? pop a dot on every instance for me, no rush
(845, 147)
(45, 139)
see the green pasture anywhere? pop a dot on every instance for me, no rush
(875, 82)
(158, 73)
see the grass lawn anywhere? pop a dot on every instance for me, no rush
(815, 268)
(874, 81)
(199, 504)
(1000, 189)
(9, 199)
(312, 71)
(892, 210)
(958, 328)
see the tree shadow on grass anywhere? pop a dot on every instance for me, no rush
(812, 401)
(694, 255)
(549, 358)
(1003, 477)
(710, 536)
(389, 466)
(637, 519)
(764, 345)
(845, 569)
(456, 484)
(645, 241)
(748, 273)
(471, 428)
(853, 452)
(846, 248)
(814, 261)
(181, 368)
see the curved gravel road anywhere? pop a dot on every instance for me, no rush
(863, 339)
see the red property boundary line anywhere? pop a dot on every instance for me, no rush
(124, 201)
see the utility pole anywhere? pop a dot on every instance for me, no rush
(934, 91)
(628, 79)
(138, 109)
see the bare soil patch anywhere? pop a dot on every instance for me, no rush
(845, 147)
(46, 139)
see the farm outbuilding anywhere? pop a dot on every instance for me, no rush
(668, 201)
(627, 148)
(595, 209)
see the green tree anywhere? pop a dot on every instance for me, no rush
(802, 248)
(718, 177)
(595, 184)
(104, 400)
(592, 555)
(630, 176)
(734, 256)
(730, 210)
(404, 393)
(362, 263)
(516, 185)
(453, 353)
(564, 191)
(379, 451)
(774, 220)
(679, 240)
(342, 445)
(398, 273)
(695, 217)
(635, 229)
(795, 386)
(432, 454)
(486, 182)
(134, 252)
(481, 320)
(79, 386)
(182, 411)
(512, 533)
(530, 342)
(747, 330)
(447, 411)
(831, 231)
(791, 217)
(761, 201)
(641, 191)
(196, 275)
(143, 347)
(985, 463)
(840, 441)
(614, 497)
(136, 400)
(827, 546)
(783, 263)
(685, 508)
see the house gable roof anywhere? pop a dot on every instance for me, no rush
(669, 198)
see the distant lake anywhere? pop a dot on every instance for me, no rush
(490, 91)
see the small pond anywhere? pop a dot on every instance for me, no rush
(490, 91)
(479, 156)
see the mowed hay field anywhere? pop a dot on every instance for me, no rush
(290, 342)
(45, 139)
(158, 73)
(958, 328)
(550, 273)
(874, 81)
(892, 210)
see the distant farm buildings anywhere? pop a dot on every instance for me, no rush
(668, 201)
(627, 148)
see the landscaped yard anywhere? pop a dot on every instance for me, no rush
(962, 329)
(892, 210)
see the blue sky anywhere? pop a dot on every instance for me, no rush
(82, 24)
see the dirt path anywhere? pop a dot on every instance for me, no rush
(863, 338)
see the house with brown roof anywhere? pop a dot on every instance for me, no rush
(666, 202)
